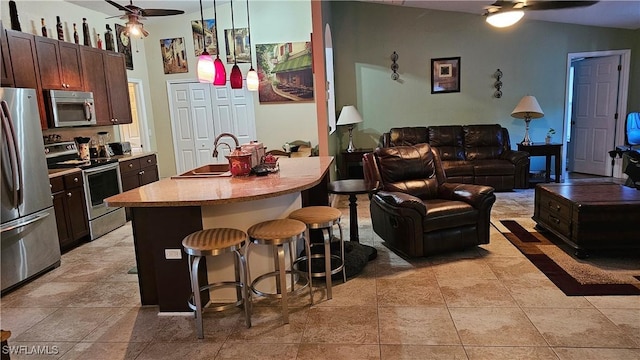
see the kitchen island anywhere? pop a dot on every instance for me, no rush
(164, 212)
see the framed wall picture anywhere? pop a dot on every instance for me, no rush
(124, 46)
(174, 57)
(209, 36)
(285, 71)
(242, 45)
(445, 75)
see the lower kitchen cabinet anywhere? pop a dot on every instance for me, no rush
(138, 172)
(70, 209)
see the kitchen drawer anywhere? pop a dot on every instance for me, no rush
(73, 180)
(555, 206)
(57, 184)
(149, 160)
(130, 165)
(551, 219)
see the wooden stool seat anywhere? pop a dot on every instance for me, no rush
(213, 242)
(277, 233)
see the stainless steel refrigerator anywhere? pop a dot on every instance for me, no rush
(28, 233)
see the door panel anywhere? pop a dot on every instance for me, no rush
(595, 102)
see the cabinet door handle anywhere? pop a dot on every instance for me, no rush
(141, 172)
(130, 165)
(149, 161)
(554, 219)
(76, 180)
(68, 194)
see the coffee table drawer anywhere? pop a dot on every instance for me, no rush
(557, 223)
(555, 206)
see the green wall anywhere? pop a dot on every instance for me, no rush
(532, 55)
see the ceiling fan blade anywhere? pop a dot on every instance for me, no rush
(160, 12)
(556, 5)
(120, 7)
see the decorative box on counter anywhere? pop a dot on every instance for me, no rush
(256, 149)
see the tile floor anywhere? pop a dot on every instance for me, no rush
(484, 303)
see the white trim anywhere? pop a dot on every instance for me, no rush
(623, 92)
(143, 123)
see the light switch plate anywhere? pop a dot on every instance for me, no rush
(172, 254)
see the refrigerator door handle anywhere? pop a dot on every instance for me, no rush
(14, 155)
(25, 222)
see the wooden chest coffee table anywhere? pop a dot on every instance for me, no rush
(590, 216)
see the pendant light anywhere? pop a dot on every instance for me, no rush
(236, 74)
(252, 76)
(220, 77)
(205, 70)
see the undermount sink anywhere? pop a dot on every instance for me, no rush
(209, 170)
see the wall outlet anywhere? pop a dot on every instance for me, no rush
(172, 254)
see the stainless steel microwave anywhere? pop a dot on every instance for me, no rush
(70, 108)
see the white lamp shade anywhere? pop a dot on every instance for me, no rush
(349, 115)
(206, 70)
(505, 18)
(252, 80)
(528, 107)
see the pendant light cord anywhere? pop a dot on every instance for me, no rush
(249, 29)
(215, 14)
(233, 34)
(204, 47)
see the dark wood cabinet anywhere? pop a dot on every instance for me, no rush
(7, 71)
(105, 74)
(351, 164)
(138, 172)
(59, 64)
(70, 209)
(24, 64)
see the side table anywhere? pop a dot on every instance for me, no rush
(348, 159)
(546, 150)
(352, 187)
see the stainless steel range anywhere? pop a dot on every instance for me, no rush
(101, 180)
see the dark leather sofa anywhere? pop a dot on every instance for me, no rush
(470, 154)
(416, 211)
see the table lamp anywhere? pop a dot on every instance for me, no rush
(349, 116)
(527, 109)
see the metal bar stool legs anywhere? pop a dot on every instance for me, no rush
(213, 242)
(277, 233)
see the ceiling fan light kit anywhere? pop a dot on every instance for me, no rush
(133, 27)
(504, 18)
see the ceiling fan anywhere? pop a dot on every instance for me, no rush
(506, 13)
(133, 14)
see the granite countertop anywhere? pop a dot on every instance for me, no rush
(61, 172)
(295, 175)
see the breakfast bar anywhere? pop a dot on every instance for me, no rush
(164, 212)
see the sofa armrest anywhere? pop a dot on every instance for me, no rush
(515, 157)
(474, 195)
(401, 200)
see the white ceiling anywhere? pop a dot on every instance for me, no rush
(623, 14)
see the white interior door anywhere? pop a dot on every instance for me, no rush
(137, 132)
(199, 112)
(595, 92)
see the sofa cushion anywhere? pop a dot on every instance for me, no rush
(448, 141)
(408, 136)
(458, 168)
(493, 167)
(483, 141)
(444, 214)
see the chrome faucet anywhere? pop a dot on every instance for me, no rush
(215, 143)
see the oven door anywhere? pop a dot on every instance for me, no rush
(100, 183)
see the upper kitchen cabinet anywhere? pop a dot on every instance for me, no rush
(105, 75)
(24, 63)
(59, 64)
(7, 71)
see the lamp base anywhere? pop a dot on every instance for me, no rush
(351, 148)
(526, 141)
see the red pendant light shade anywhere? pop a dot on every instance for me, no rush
(220, 77)
(236, 74)
(205, 69)
(221, 72)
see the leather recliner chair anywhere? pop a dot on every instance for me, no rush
(416, 211)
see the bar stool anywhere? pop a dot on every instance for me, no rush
(323, 218)
(213, 242)
(277, 233)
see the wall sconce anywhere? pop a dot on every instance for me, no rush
(394, 66)
(498, 84)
